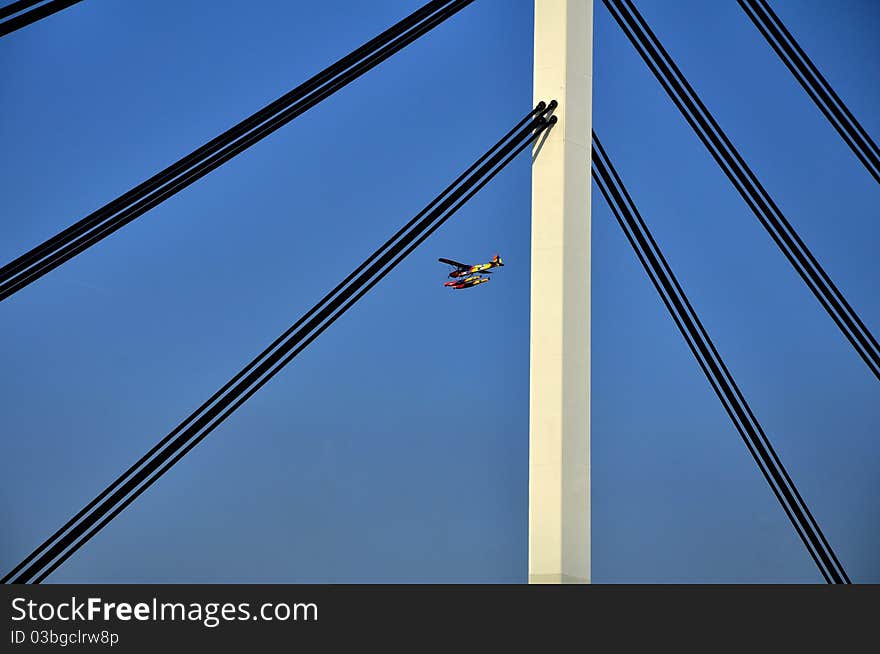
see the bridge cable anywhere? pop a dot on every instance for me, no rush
(16, 7)
(713, 366)
(814, 83)
(125, 489)
(30, 17)
(745, 181)
(225, 138)
(101, 223)
(326, 299)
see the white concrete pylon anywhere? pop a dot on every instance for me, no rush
(559, 393)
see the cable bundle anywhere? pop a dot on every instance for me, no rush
(814, 83)
(745, 181)
(134, 481)
(101, 223)
(32, 16)
(690, 326)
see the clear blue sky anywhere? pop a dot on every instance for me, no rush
(396, 447)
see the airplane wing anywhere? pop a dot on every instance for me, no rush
(454, 263)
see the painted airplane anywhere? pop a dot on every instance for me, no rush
(464, 269)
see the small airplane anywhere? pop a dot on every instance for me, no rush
(466, 275)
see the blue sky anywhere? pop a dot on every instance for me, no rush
(395, 448)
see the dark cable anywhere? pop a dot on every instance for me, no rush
(290, 356)
(713, 365)
(17, 6)
(108, 227)
(723, 156)
(278, 341)
(704, 367)
(60, 248)
(70, 250)
(745, 181)
(38, 13)
(814, 83)
(223, 139)
(196, 427)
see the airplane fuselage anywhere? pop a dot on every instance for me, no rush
(480, 267)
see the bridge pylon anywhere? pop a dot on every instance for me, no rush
(559, 385)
